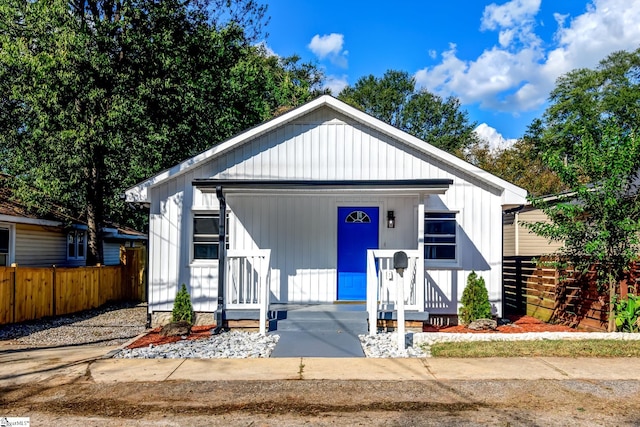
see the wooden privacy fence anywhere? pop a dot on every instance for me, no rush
(565, 297)
(29, 293)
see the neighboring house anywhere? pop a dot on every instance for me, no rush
(27, 239)
(518, 240)
(324, 195)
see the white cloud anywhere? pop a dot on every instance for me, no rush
(517, 73)
(322, 46)
(509, 14)
(330, 46)
(607, 26)
(335, 84)
(493, 137)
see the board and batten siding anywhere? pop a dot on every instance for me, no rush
(301, 229)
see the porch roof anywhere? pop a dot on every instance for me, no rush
(430, 186)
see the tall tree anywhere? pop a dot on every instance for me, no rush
(589, 137)
(586, 101)
(96, 95)
(394, 99)
(598, 221)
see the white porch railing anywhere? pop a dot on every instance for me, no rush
(383, 280)
(247, 281)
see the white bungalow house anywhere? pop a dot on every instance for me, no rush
(317, 201)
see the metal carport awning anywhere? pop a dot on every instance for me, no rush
(397, 186)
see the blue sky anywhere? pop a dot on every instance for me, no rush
(500, 59)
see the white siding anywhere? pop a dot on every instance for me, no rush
(300, 229)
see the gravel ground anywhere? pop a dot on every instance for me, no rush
(112, 324)
(228, 345)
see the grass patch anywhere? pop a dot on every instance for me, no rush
(547, 348)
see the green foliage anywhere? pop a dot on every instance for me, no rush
(589, 138)
(585, 102)
(520, 164)
(628, 314)
(96, 96)
(182, 308)
(395, 100)
(475, 300)
(599, 219)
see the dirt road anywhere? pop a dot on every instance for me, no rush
(327, 403)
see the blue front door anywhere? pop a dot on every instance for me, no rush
(357, 232)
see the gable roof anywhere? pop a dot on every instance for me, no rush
(511, 194)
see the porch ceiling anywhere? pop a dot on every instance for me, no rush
(426, 186)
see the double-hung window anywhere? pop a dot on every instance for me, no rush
(76, 245)
(206, 236)
(440, 238)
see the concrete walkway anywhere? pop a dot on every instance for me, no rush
(320, 331)
(68, 364)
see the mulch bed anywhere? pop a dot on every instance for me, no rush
(154, 337)
(518, 325)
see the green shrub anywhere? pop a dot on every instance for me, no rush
(628, 314)
(182, 308)
(475, 300)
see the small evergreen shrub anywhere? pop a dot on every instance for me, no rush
(182, 308)
(475, 300)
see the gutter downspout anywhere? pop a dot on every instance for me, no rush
(222, 255)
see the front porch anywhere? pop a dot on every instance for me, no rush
(320, 242)
(246, 294)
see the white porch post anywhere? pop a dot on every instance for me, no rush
(372, 292)
(264, 291)
(420, 261)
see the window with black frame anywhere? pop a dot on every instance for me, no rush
(440, 236)
(4, 246)
(206, 236)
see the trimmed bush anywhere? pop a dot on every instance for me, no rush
(182, 308)
(475, 300)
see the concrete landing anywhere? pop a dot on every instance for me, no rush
(320, 331)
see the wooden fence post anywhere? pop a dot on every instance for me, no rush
(53, 293)
(13, 294)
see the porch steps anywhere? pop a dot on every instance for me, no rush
(410, 316)
(319, 331)
(242, 314)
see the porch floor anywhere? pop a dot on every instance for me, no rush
(319, 330)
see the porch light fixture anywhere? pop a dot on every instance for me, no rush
(391, 219)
